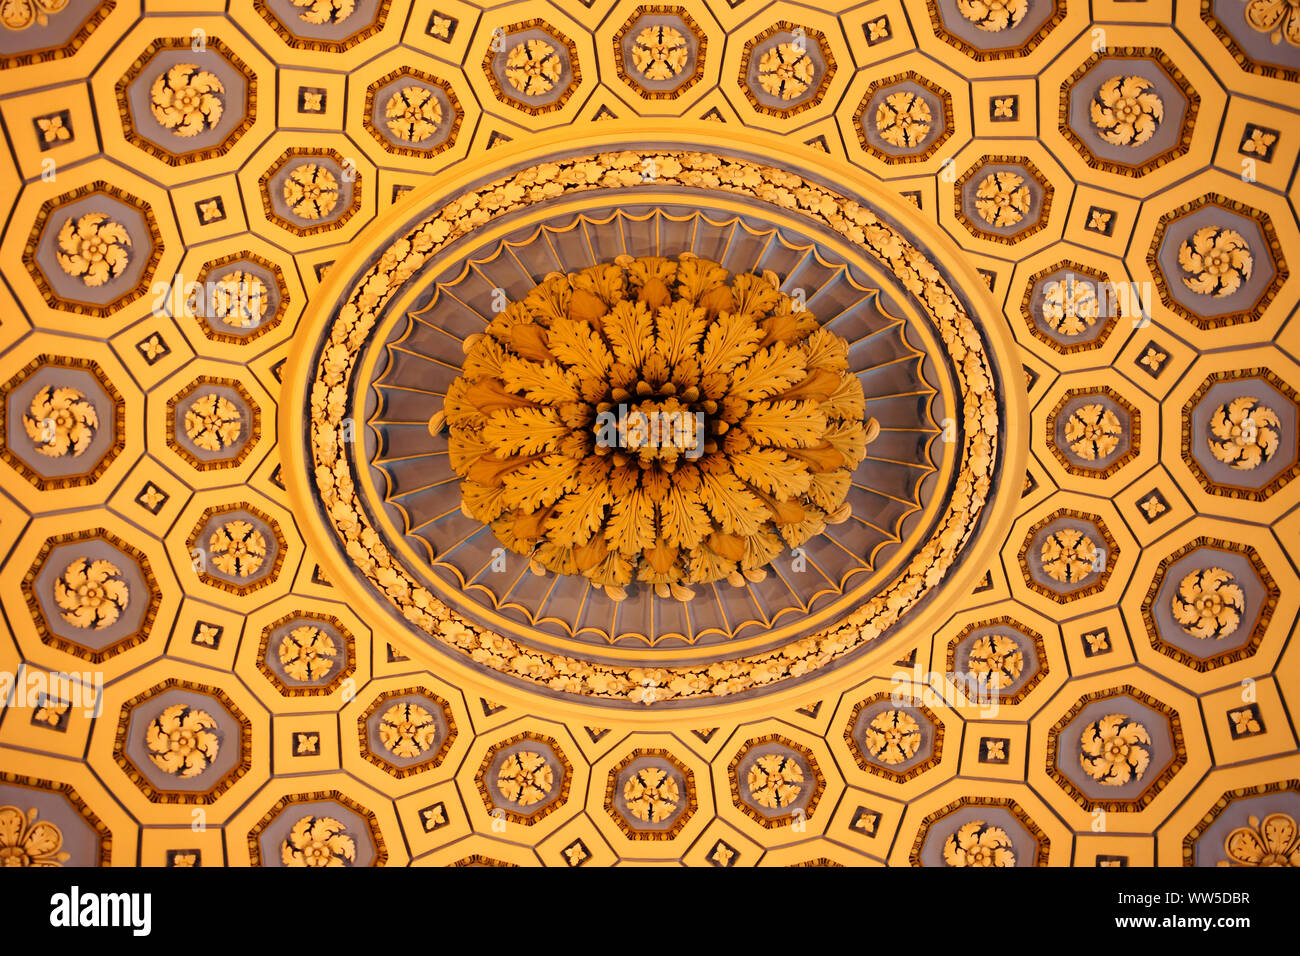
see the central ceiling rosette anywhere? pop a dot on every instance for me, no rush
(657, 421)
(655, 438)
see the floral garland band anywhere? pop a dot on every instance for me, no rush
(354, 321)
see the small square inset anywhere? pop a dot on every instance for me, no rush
(913, 196)
(321, 269)
(990, 277)
(723, 854)
(1153, 505)
(441, 27)
(1245, 722)
(1100, 221)
(576, 854)
(154, 349)
(1096, 643)
(191, 858)
(152, 498)
(53, 129)
(52, 714)
(207, 635)
(306, 744)
(1004, 109)
(865, 821)
(318, 577)
(1109, 860)
(1259, 142)
(399, 191)
(1153, 360)
(434, 817)
(995, 750)
(210, 210)
(311, 99)
(877, 30)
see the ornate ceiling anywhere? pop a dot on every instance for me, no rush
(711, 433)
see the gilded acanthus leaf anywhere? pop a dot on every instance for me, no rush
(657, 421)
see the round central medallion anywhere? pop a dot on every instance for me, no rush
(649, 427)
(656, 420)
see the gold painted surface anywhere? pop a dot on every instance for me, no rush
(191, 196)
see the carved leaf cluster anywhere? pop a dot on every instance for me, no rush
(1209, 603)
(659, 52)
(533, 67)
(93, 248)
(1218, 260)
(91, 593)
(1110, 750)
(977, 843)
(1247, 433)
(181, 741)
(1126, 110)
(61, 421)
(751, 425)
(186, 99)
(786, 70)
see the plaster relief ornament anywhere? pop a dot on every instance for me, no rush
(237, 548)
(1002, 199)
(533, 67)
(656, 420)
(407, 730)
(1247, 433)
(93, 248)
(1278, 18)
(1069, 555)
(322, 12)
(413, 114)
(91, 594)
(307, 653)
(186, 99)
(525, 778)
(181, 741)
(651, 794)
(786, 70)
(903, 119)
(20, 14)
(1126, 110)
(311, 191)
(993, 16)
(25, 841)
(318, 841)
(1208, 603)
(997, 656)
(1217, 260)
(1110, 751)
(213, 422)
(1093, 431)
(775, 781)
(240, 299)
(1274, 842)
(1070, 305)
(61, 421)
(978, 844)
(893, 736)
(659, 52)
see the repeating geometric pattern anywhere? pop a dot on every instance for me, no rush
(1117, 689)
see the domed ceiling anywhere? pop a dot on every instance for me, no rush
(573, 434)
